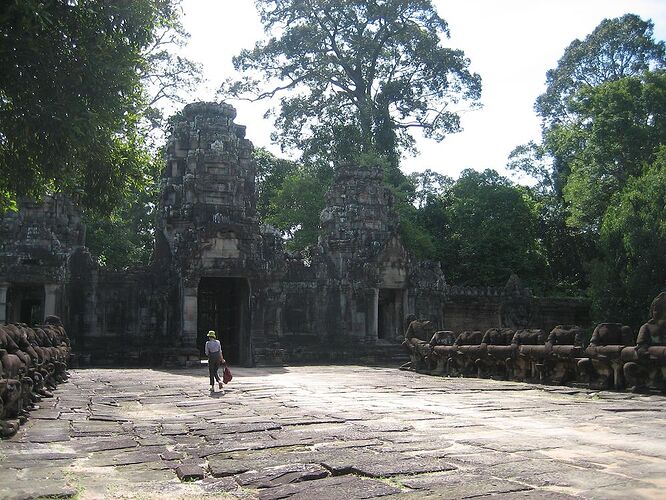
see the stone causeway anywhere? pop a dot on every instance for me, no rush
(332, 432)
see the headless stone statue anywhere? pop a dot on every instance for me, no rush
(646, 363)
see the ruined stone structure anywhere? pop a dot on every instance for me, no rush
(613, 358)
(37, 244)
(215, 267)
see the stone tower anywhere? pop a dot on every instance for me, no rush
(207, 227)
(362, 251)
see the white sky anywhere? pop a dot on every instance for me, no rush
(511, 44)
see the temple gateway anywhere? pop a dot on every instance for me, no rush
(216, 267)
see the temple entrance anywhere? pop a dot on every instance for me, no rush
(389, 314)
(26, 304)
(222, 306)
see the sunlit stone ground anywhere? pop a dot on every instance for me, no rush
(327, 432)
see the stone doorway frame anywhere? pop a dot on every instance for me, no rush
(237, 343)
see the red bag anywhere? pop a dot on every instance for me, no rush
(226, 375)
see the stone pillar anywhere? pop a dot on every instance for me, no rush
(3, 302)
(373, 315)
(190, 303)
(405, 310)
(50, 299)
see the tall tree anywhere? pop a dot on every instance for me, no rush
(602, 122)
(621, 126)
(492, 231)
(73, 94)
(356, 76)
(631, 267)
(617, 48)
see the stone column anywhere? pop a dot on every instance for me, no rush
(405, 310)
(50, 299)
(190, 303)
(373, 315)
(3, 302)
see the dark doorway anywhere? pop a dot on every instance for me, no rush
(26, 304)
(389, 314)
(222, 307)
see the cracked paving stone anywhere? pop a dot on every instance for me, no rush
(156, 440)
(90, 428)
(459, 485)
(270, 477)
(106, 444)
(140, 456)
(229, 464)
(35, 482)
(330, 488)
(45, 414)
(48, 431)
(511, 446)
(541, 495)
(172, 455)
(384, 465)
(39, 489)
(174, 430)
(482, 460)
(238, 429)
(219, 485)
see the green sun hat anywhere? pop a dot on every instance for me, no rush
(211, 334)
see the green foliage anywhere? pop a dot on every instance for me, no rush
(600, 167)
(355, 76)
(291, 197)
(632, 270)
(72, 95)
(492, 231)
(621, 126)
(271, 175)
(617, 48)
(124, 237)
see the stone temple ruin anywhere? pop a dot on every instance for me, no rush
(215, 266)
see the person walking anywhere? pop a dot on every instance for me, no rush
(213, 350)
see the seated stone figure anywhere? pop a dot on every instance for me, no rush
(468, 351)
(563, 348)
(602, 366)
(645, 364)
(417, 341)
(528, 344)
(12, 390)
(30, 361)
(496, 344)
(442, 350)
(8, 392)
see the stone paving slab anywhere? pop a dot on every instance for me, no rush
(325, 433)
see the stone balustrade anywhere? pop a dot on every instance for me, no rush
(32, 362)
(614, 357)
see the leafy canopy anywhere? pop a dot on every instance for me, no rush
(617, 48)
(599, 167)
(73, 95)
(356, 76)
(620, 129)
(631, 269)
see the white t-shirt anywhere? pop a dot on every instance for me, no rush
(212, 346)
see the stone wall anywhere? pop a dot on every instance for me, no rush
(482, 308)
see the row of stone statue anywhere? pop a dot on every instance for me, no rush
(614, 357)
(32, 362)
